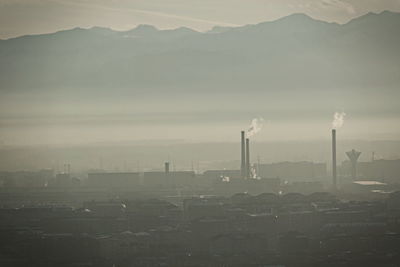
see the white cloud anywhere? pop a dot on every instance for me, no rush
(349, 8)
(146, 12)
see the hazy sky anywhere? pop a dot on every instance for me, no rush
(19, 17)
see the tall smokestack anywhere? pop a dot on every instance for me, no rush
(166, 173)
(243, 157)
(247, 158)
(334, 181)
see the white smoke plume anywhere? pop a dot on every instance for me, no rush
(338, 120)
(255, 126)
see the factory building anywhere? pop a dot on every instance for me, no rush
(252, 186)
(216, 175)
(181, 178)
(387, 171)
(155, 179)
(127, 180)
(168, 179)
(293, 171)
(26, 178)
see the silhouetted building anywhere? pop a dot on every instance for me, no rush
(123, 180)
(293, 171)
(303, 187)
(26, 178)
(156, 179)
(253, 186)
(387, 171)
(216, 175)
(181, 178)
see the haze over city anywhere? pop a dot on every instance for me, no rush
(57, 91)
(199, 133)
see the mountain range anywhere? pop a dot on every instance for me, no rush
(292, 53)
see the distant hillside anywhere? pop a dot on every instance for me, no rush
(295, 52)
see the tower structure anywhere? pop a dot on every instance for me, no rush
(248, 169)
(334, 175)
(243, 156)
(353, 155)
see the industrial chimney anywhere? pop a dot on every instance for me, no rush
(243, 157)
(166, 173)
(248, 174)
(334, 177)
